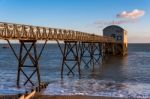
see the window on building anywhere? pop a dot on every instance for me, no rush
(113, 35)
(119, 37)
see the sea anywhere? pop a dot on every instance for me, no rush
(116, 76)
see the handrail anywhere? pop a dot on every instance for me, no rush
(28, 32)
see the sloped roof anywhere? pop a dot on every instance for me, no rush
(112, 26)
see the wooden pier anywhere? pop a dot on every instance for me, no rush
(76, 43)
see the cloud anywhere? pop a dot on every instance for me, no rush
(131, 14)
(122, 18)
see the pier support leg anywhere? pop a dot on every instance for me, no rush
(96, 54)
(28, 51)
(106, 52)
(91, 53)
(113, 48)
(85, 54)
(71, 57)
(109, 49)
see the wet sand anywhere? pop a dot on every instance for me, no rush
(8, 96)
(75, 97)
(39, 96)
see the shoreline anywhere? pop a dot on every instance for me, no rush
(39, 96)
(76, 97)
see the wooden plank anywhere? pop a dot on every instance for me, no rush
(21, 97)
(30, 95)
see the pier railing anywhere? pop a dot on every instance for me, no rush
(29, 32)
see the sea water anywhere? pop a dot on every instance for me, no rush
(117, 76)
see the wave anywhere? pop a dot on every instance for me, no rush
(92, 87)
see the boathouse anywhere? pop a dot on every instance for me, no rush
(120, 36)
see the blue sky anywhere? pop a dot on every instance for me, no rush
(78, 15)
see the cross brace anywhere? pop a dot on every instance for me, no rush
(92, 51)
(71, 56)
(28, 48)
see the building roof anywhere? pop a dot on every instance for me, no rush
(112, 27)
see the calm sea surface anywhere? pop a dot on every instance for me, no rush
(127, 76)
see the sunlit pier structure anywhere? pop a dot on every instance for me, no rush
(77, 45)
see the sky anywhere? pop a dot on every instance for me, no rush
(83, 15)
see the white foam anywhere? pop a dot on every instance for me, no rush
(94, 87)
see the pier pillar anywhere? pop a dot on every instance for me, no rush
(109, 49)
(28, 61)
(85, 54)
(91, 53)
(71, 57)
